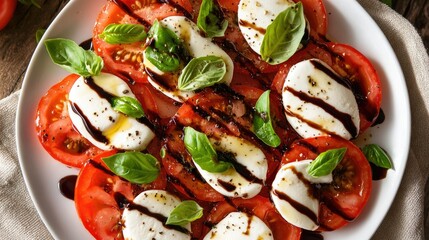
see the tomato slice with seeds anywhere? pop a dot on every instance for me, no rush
(98, 190)
(343, 199)
(124, 60)
(260, 207)
(149, 10)
(55, 129)
(350, 64)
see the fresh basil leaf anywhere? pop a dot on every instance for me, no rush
(184, 213)
(123, 33)
(39, 34)
(135, 167)
(165, 40)
(128, 105)
(70, 56)
(30, 2)
(211, 20)
(202, 152)
(164, 61)
(262, 124)
(326, 162)
(284, 35)
(377, 156)
(202, 72)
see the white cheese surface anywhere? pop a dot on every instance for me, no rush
(138, 225)
(121, 131)
(240, 226)
(307, 117)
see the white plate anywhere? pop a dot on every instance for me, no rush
(348, 23)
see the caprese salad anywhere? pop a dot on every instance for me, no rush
(213, 119)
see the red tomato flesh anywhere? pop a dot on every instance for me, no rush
(55, 129)
(344, 198)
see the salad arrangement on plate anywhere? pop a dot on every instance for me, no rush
(213, 119)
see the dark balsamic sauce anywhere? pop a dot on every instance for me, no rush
(344, 118)
(343, 81)
(123, 202)
(297, 205)
(380, 118)
(87, 44)
(95, 133)
(310, 235)
(67, 185)
(252, 26)
(378, 173)
(241, 169)
(226, 185)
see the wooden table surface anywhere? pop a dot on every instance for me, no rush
(17, 40)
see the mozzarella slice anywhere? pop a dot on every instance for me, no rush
(239, 225)
(93, 116)
(292, 194)
(197, 46)
(254, 16)
(250, 168)
(318, 102)
(141, 219)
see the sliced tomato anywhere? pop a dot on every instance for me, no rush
(150, 10)
(98, 195)
(55, 129)
(154, 102)
(124, 60)
(315, 13)
(350, 64)
(260, 207)
(343, 199)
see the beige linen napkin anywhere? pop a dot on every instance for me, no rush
(405, 220)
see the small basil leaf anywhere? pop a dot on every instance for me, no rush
(165, 40)
(30, 2)
(284, 35)
(184, 213)
(262, 124)
(164, 61)
(202, 72)
(128, 105)
(39, 34)
(70, 56)
(135, 167)
(123, 33)
(211, 20)
(326, 162)
(202, 152)
(377, 156)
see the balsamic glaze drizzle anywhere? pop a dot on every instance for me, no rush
(67, 185)
(123, 202)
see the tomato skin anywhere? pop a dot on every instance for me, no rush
(55, 129)
(350, 64)
(315, 13)
(343, 199)
(96, 193)
(7, 8)
(123, 60)
(260, 207)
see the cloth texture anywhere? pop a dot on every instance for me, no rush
(405, 219)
